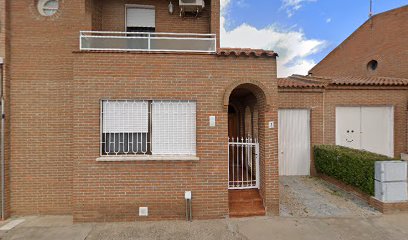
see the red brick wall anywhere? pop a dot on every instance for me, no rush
(41, 92)
(2, 28)
(106, 191)
(40, 66)
(382, 38)
(113, 17)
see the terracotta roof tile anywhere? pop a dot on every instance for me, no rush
(246, 52)
(369, 81)
(298, 81)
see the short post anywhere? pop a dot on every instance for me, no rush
(189, 211)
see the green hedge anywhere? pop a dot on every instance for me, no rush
(353, 167)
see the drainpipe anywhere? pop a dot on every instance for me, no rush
(2, 140)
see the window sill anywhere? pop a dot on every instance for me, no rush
(148, 158)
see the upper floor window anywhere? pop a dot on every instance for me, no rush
(48, 7)
(140, 18)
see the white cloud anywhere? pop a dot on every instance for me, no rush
(328, 20)
(293, 47)
(223, 4)
(291, 6)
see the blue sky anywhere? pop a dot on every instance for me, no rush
(301, 31)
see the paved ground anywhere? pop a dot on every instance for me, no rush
(311, 208)
(313, 197)
(386, 227)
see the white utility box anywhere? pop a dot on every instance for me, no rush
(391, 171)
(391, 191)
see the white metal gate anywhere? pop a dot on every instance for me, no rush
(243, 159)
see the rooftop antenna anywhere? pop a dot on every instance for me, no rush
(371, 9)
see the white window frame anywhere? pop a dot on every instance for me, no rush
(138, 6)
(150, 155)
(41, 7)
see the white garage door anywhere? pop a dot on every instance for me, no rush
(294, 142)
(368, 128)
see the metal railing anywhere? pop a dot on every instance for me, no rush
(147, 41)
(243, 158)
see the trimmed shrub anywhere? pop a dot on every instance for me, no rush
(351, 166)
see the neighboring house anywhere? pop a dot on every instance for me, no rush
(376, 49)
(118, 105)
(355, 97)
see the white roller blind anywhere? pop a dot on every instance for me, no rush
(174, 127)
(140, 17)
(125, 116)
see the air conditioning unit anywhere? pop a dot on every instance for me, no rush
(192, 6)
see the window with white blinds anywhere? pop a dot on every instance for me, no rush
(174, 127)
(131, 127)
(140, 18)
(125, 127)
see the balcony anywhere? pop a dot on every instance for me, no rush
(147, 42)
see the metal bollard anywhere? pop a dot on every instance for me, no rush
(189, 211)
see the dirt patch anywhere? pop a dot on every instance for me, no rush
(313, 197)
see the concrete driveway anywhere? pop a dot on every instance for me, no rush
(359, 228)
(313, 197)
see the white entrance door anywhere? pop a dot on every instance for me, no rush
(294, 142)
(367, 128)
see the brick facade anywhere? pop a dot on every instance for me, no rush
(2, 28)
(111, 16)
(114, 191)
(55, 97)
(381, 38)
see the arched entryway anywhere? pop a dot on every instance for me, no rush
(247, 104)
(243, 140)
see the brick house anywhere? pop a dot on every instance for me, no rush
(365, 79)
(115, 106)
(376, 49)
(119, 105)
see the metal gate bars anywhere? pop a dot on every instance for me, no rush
(243, 167)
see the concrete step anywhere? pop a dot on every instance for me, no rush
(245, 203)
(251, 213)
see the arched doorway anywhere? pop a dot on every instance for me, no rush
(243, 139)
(246, 114)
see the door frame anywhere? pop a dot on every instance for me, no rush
(309, 123)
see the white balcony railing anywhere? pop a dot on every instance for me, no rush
(147, 41)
